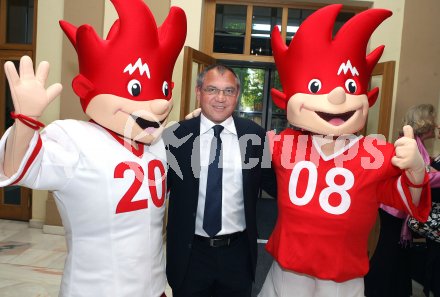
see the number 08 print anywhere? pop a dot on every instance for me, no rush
(324, 196)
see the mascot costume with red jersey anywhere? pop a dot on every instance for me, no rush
(331, 181)
(107, 175)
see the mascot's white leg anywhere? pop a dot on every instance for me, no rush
(350, 288)
(284, 283)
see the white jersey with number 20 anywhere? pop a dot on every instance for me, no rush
(111, 200)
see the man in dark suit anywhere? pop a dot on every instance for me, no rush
(215, 175)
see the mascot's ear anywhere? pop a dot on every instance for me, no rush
(372, 96)
(82, 86)
(279, 98)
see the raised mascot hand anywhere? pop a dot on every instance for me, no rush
(30, 99)
(408, 156)
(29, 95)
(195, 113)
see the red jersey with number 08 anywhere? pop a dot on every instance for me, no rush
(327, 205)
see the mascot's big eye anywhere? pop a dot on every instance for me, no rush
(134, 87)
(165, 89)
(315, 85)
(350, 85)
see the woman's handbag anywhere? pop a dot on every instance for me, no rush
(430, 229)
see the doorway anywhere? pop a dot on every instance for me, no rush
(18, 20)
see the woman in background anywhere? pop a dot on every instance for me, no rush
(389, 274)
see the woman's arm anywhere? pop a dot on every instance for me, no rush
(434, 179)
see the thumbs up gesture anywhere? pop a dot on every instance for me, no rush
(408, 157)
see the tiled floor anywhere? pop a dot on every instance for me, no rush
(31, 262)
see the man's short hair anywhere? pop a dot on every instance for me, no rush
(221, 69)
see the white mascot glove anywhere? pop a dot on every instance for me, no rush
(408, 157)
(29, 96)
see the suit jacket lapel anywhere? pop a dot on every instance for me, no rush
(242, 128)
(192, 151)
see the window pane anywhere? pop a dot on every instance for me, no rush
(297, 16)
(20, 21)
(264, 19)
(250, 102)
(12, 195)
(341, 19)
(294, 19)
(230, 28)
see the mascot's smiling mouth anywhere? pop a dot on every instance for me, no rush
(144, 124)
(335, 118)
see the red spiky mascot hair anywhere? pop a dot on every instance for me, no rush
(313, 53)
(134, 45)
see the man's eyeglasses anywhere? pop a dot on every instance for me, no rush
(228, 92)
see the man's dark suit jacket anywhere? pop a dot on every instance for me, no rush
(184, 193)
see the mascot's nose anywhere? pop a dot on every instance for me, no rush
(160, 106)
(337, 96)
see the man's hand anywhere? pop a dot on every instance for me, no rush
(29, 96)
(408, 157)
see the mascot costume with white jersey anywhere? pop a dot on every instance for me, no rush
(330, 180)
(107, 175)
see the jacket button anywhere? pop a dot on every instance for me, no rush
(189, 245)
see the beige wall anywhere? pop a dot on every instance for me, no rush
(49, 37)
(77, 13)
(193, 10)
(158, 8)
(389, 33)
(419, 73)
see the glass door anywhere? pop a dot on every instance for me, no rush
(255, 102)
(277, 119)
(251, 100)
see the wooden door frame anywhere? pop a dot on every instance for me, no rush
(202, 60)
(386, 70)
(22, 212)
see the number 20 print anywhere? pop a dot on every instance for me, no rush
(126, 204)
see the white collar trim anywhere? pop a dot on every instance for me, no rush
(206, 125)
(353, 139)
